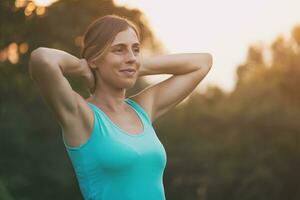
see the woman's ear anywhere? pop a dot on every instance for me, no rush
(92, 65)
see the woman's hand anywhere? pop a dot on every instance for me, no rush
(88, 75)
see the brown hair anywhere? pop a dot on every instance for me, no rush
(101, 33)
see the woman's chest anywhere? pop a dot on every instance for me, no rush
(129, 123)
(122, 153)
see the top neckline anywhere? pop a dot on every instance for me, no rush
(120, 129)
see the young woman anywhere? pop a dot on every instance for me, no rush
(114, 150)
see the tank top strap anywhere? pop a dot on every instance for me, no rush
(101, 118)
(139, 109)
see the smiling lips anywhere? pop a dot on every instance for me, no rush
(128, 71)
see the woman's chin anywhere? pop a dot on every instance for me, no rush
(129, 84)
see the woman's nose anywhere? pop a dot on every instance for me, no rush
(131, 57)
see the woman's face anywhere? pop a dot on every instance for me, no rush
(124, 53)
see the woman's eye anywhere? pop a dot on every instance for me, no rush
(121, 50)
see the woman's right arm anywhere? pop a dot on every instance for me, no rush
(47, 68)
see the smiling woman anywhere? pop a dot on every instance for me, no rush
(107, 42)
(114, 149)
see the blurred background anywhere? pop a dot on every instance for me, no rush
(237, 137)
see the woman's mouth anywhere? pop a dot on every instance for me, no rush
(128, 72)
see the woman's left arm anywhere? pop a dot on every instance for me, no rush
(176, 64)
(188, 70)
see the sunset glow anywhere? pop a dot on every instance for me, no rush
(223, 28)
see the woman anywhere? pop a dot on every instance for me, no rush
(110, 139)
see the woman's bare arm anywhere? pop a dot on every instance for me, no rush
(188, 70)
(175, 64)
(47, 68)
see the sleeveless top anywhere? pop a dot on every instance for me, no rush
(115, 165)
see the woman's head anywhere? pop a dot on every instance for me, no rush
(106, 58)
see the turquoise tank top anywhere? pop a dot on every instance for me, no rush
(115, 165)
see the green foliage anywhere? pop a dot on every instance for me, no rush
(241, 145)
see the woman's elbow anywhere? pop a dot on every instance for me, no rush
(203, 60)
(38, 55)
(39, 60)
(209, 60)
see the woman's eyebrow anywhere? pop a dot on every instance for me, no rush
(123, 44)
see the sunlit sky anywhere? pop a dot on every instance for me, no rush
(223, 28)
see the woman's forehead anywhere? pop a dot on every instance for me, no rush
(127, 37)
